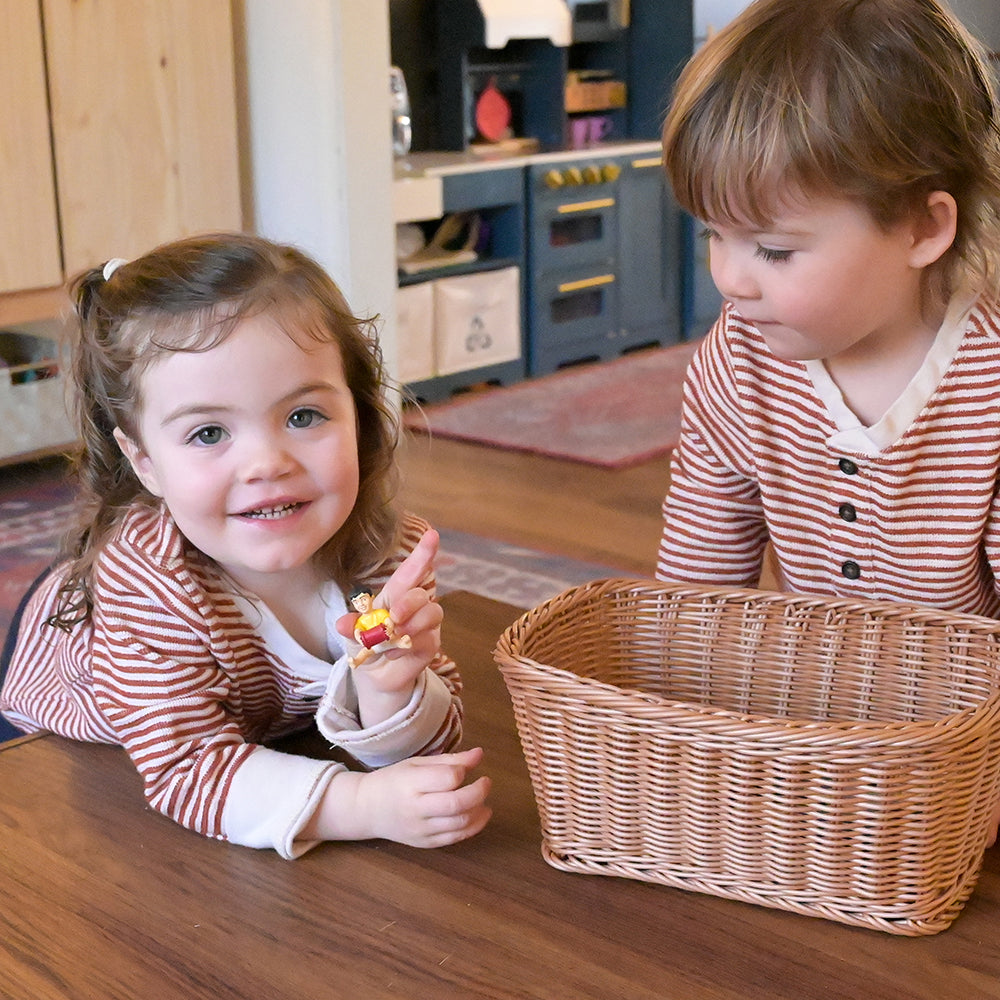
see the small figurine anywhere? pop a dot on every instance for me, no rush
(374, 629)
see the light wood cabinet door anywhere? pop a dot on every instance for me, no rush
(29, 248)
(143, 122)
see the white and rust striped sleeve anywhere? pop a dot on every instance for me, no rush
(906, 509)
(171, 680)
(714, 529)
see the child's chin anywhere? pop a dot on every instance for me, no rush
(789, 348)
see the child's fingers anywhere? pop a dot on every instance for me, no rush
(417, 615)
(459, 801)
(411, 571)
(402, 593)
(415, 611)
(346, 623)
(459, 762)
(443, 830)
(449, 817)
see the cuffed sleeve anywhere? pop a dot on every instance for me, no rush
(272, 797)
(411, 730)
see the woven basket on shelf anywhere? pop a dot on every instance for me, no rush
(835, 758)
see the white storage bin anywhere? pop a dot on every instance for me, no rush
(32, 396)
(415, 332)
(477, 319)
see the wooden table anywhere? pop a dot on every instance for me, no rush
(101, 897)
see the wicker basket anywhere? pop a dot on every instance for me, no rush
(834, 758)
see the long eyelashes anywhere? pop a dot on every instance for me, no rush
(772, 256)
(767, 254)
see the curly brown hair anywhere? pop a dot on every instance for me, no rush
(189, 295)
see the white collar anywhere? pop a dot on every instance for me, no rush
(277, 639)
(851, 435)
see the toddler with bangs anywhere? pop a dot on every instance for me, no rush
(236, 480)
(844, 159)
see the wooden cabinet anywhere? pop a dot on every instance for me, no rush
(29, 250)
(121, 135)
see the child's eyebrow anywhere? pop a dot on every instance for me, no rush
(194, 410)
(310, 387)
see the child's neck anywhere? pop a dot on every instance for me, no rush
(872, 377)
(295, 599)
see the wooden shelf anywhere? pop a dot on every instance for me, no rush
(470, 267)
(33, 305)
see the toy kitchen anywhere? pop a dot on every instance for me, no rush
(534, 226)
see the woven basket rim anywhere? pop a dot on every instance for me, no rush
(771, 730)
(896, 609)
(713, 720)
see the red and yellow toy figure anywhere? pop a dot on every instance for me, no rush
(374, 630)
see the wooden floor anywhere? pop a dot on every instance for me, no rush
(598, 515)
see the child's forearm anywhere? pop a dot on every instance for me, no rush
(376, 706)
(382, 693)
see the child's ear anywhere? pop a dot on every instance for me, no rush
(934, 229)
(140, 462)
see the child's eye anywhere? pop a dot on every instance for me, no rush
(707, 234)
(305, 417)
(212, 434)
(772, 256)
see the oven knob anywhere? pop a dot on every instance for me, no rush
(611, 171)
(572, 175)
(553, 179)
(592, 174)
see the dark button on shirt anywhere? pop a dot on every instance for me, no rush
(851, 569)
(847, 467)
(847, 512)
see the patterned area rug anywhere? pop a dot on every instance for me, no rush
(509, 573)
(612, 414)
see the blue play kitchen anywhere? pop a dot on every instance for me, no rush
(534, 229)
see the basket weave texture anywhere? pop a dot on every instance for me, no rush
(834, 758)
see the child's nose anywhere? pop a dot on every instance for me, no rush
(731, 275)
(266, 457)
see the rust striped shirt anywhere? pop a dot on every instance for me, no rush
(904, 510)
(193, 680)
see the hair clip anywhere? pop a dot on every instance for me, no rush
(112, 266)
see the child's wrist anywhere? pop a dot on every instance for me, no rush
(338, 815)
(375, 705)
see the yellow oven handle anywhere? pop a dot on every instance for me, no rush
(586, 206)
(576, 286)
(649, 161)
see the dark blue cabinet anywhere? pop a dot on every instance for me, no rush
(650, 251)
(604, 258)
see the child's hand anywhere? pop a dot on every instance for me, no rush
(422, 802)
(385, 682)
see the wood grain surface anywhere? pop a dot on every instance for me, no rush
(104, 898)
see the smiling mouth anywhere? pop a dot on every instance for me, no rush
(271, 513)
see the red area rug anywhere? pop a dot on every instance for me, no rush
(613, 413)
